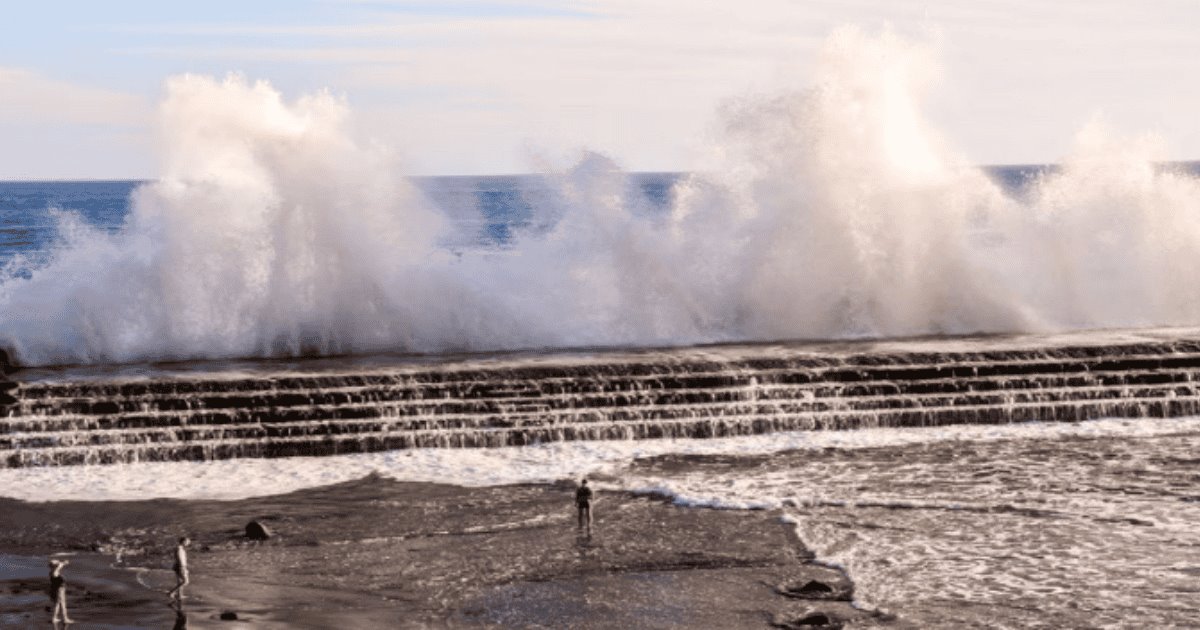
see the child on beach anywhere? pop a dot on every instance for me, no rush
(58, 591)
(181, 569)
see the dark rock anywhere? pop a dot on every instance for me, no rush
(257, 531)
(814, 589)
(7, 399)
(7, 386)
(815, 619)
(808, 620)
(6, 366)
(229, 615)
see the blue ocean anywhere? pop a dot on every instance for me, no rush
(284, 262)
(959, 481)
(487, 210)
(972, 390)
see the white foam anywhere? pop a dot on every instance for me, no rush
(835, 210)
(241, 478)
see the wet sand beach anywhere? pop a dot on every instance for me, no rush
(376, 553)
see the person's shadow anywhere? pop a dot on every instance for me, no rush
(586, 548)
(180, 617)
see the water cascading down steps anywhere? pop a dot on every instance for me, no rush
(687, 393)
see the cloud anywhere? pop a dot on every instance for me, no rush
(28, 98)
(639, 81)
(54, 129)
(475, 82)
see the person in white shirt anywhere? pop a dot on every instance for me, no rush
(181, 568)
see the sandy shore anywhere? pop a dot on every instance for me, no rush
(375, 553)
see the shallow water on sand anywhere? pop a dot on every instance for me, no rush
(1036, 525)
(1057, 533)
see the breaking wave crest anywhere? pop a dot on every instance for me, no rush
(836, 211)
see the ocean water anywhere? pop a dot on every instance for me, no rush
(486, 211)
(28, 210)
(834, 209)
(1031, 526)
(832, 213)
(1087, 525)
(1051, 526)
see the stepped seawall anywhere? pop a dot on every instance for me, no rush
(326, 407)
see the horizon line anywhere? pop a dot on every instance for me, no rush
(104, 180)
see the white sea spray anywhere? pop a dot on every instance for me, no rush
(833, 210)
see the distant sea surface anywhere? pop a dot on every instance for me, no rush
(486, 210)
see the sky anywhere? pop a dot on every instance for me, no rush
(504, 86)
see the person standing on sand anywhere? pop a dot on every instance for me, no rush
(58, 591)
(583, 504)
(181, 568)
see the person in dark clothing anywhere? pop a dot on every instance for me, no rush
(58, 591)
(583, 504)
